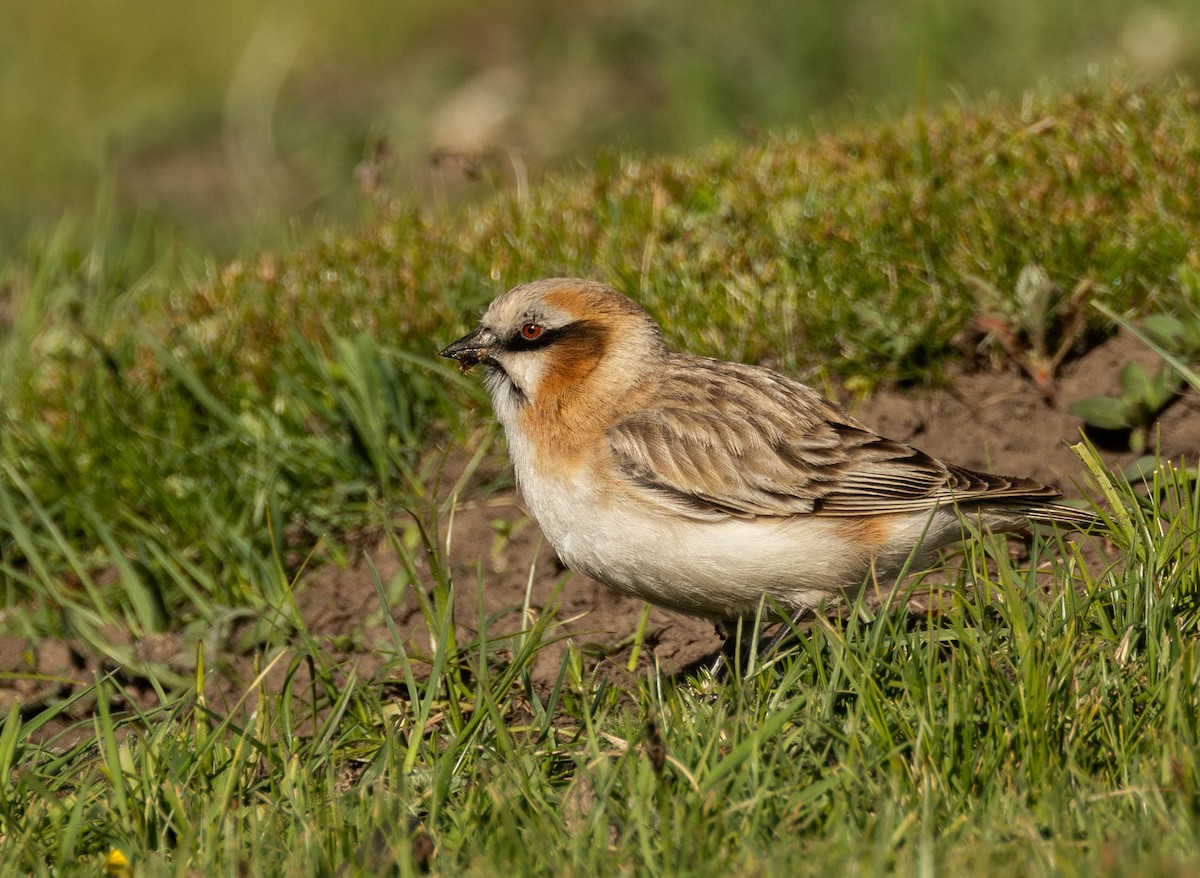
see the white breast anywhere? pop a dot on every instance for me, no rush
(715, 569)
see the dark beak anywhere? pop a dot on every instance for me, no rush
(472, 349)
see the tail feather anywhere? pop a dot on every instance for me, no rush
(1063, 516)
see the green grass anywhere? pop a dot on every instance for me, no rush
(183, 442)
(1007, 734)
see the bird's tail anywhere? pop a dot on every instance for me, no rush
(1065, 517)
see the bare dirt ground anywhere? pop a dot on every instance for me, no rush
(991, 421)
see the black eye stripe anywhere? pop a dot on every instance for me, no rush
(586, 332)
(549, 336)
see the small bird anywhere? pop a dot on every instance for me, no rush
(702, 485)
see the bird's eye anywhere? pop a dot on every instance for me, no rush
(530, 331)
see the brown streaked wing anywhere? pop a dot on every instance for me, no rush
(720, 439)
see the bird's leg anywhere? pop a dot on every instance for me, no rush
(718, 665)
(725, 630)
(785, 628)
(734, 647)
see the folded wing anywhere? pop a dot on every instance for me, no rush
(741, 441)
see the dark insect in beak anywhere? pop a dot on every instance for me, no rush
(472, 349)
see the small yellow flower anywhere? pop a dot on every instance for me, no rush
(117, 865)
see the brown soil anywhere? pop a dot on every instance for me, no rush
(993, 421)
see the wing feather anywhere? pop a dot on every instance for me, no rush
(719, 440)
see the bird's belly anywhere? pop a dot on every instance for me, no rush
(717, 569)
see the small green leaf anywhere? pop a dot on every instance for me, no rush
(1105, 412)
(1162, 389)
(1137, 439)
(1137, 383)
(1141, 469)
(1164, 329)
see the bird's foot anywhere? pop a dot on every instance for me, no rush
(728, 630)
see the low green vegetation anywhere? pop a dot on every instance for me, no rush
(1175, 337)
(1175, 334)
(183, 443)
(1007, 733)
(1143, 397)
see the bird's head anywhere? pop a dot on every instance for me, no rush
(560, 336)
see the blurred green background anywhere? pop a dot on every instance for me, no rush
(235, 123)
